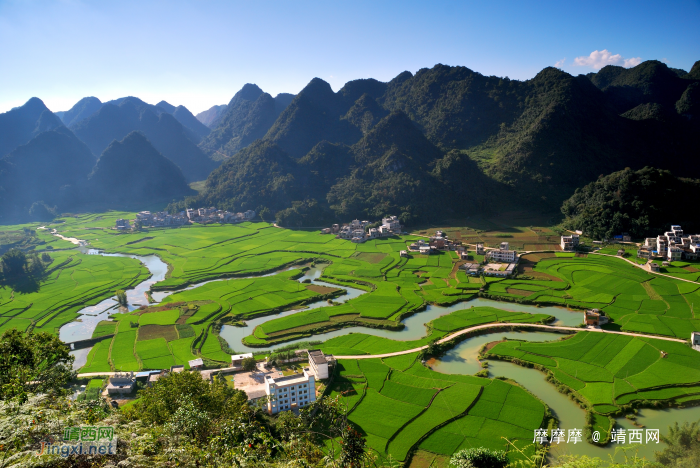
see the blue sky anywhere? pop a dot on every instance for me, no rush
(199, 53)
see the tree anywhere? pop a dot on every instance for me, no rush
(14, 263)
(40, 211)
(33, 363)
(46, 258)
(479, 458)
(683, 446)
(266, 214)
(121, 298)
(160, 403)
(250, 364)
(36, 266)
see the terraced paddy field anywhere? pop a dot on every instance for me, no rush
(401, 405)
(224, 267)
(608, 372)
(71, 282)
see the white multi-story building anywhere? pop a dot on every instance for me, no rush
(674, 253)
(661, 245)
(503, 254)
(384, 231)
(569, 243)
(392, 223)
(290, 392)
(318, 363)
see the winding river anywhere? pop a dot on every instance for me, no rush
(459, 360)
(462, 360)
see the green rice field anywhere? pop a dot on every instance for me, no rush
(401, 405)
(609, 371)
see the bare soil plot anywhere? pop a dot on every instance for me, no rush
(317, 288)
(149, 332)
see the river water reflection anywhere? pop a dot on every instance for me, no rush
(462, 360)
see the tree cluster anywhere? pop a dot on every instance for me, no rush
(644, 203)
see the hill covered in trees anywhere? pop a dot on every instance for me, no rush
(248, 116)
(486, 143)
(117, 119)
(131, 171)
(643, 203)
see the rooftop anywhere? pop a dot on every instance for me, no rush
(289, 379)
(316, 355)
(238, 357)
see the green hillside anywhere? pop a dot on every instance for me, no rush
(507, 144)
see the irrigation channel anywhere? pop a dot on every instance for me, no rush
(462, 359)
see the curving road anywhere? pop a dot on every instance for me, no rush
(500, 325)
(459, 333)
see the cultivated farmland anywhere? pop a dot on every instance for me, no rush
(401, 405)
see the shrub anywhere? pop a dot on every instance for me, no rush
(481, 457)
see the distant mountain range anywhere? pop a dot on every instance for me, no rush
(443, 143)
(58, 171)
(448, 141)
(211, 116)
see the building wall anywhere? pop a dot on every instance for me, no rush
(283, 397)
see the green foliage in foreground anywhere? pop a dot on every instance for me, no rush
(32, 363)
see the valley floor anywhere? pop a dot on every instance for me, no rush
(273, 287)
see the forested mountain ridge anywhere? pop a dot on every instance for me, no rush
(116, 119)
(517, 143)
(49, 167)
(23, 123)
(211, 116)
(131, 171)
(81, 110)
(641, 202)
(248, 116)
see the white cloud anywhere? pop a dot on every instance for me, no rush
(559, 63)
(600, 58)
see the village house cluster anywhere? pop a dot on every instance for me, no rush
(435, 243)
(357, 230)
(672, 245)
(165, 219)
(500, 262)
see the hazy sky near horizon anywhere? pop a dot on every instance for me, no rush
(199, 53)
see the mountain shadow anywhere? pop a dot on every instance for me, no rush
(23, 123)
(115, 121)
(54, 163)
(132, 171)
